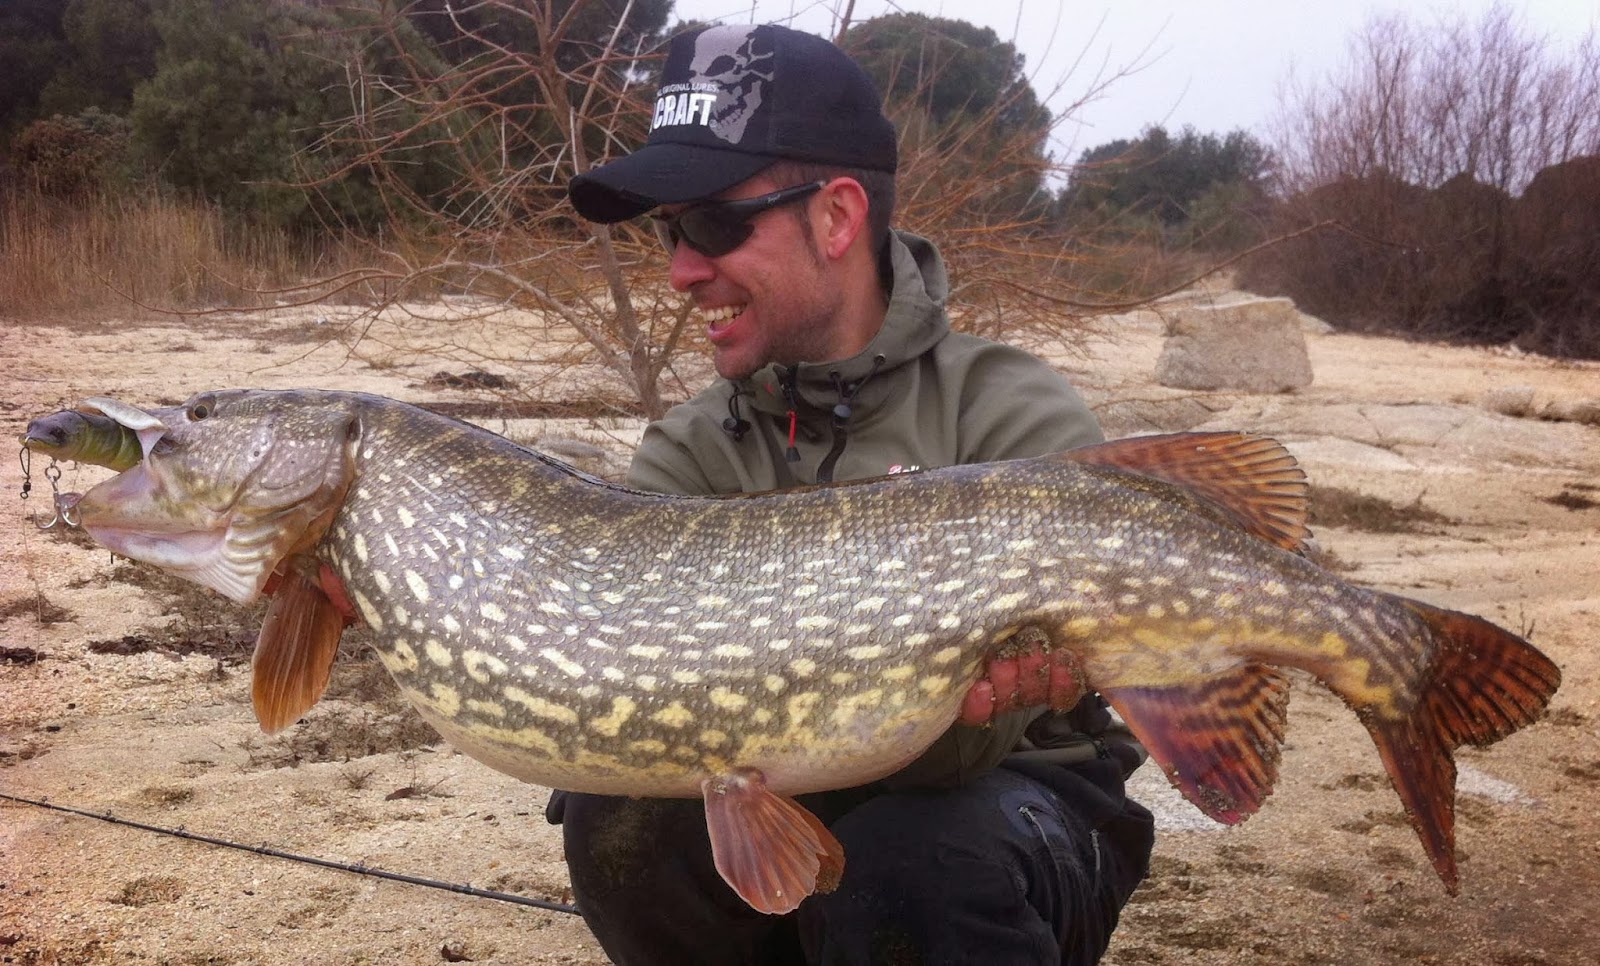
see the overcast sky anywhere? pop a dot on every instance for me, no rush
(1215, 64)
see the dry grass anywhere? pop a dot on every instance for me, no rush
(118, 253)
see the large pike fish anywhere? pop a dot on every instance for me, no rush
(746, 649)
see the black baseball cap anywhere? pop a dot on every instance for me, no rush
(733, 100)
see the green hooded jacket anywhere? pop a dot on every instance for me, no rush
(919, 396)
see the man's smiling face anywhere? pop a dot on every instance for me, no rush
(775, 298)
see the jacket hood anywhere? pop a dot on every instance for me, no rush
(913, 323)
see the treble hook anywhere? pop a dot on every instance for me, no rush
(62, 505)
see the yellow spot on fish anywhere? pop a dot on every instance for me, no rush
(406, 519)
(650, 652)
(647, 746)
(814, 622)
(946, 655)
(683, 676)
(451, 624)
(901, 620)
(490, 709)
(551, 607)
(800, 707)
(368, 612)
(674, 715)
(436, 653)
(889, 566)
(1155, 612)
(565, 664)
(622, 708)
(867, 653)
(361, 548)
(647, 682)
(419, 587)
(775, 683)
(841, 678)
(1112, 542)
(540, 707)
(804, 667)
(1007, 601)
(712, 738)
(492, 611)
(728, 700)
(732, 650)
(405, 656)
(761, 716)
(511, 553)
(446, 699)
(1085, 586)
(872, 604)
(949, 586)
(898, 673)
(935, 685)
(481, 666)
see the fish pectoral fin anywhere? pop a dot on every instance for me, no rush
(294, 653)
(1217, 737)
(768, 847)
(1252, 479)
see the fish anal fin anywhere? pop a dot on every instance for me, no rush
(1485, 684)
(1252, 479)
(295, 651)
(766, 846)
(1217, 737)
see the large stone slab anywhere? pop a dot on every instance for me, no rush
(1256, 345)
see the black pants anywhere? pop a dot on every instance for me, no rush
(1004, 870)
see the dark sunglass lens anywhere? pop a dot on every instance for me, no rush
(712, 232)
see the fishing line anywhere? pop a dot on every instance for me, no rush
(357, 868)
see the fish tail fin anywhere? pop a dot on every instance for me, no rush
(1484, 684)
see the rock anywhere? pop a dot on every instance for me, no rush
(1508, 401)
(1315, 326)
(1585, 411)
(1254, 346)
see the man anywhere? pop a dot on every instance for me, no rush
(770, 169)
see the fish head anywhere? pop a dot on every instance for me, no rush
(231, 483)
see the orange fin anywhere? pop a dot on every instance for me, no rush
(294, 653)
(1486, 683)
(1252, 479)
(1217, 737)
(766, 846)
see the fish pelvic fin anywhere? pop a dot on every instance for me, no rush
(296, 647)
(1218, 737)
(1252, 480)
(1486, 683)
(768, 847)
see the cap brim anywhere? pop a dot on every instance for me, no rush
(659, 174)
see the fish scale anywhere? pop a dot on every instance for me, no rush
(745, 649)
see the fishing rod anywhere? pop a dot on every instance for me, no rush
(356, 867)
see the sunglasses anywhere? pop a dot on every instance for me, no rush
(715, 228)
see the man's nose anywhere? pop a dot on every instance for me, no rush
(689, 268)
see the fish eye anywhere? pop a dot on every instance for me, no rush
(200, 409)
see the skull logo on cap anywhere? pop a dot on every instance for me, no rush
(735, 60)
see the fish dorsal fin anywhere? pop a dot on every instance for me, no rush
(1252, 479)
(294, 653)
(1217, 737)
(766, 846)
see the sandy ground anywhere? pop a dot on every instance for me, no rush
(123, 692)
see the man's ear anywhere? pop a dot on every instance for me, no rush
(844, 216)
